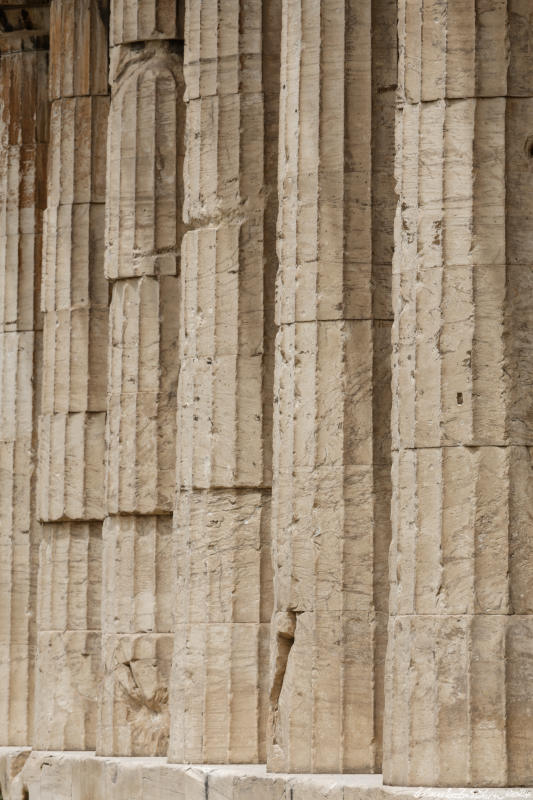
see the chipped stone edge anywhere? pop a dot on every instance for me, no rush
(27, 774)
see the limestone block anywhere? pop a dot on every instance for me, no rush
(18, 569)
(464, 713)
(70, 577)
(325, 180)
(327, 366)
(143, 374)
(223, 552)
(462, 531)
(139, 592)
(143, 228)
(23, 89)
(322, 663)
(78, 48)
(458, 50)
(75, 344)
(219, 693)
(461, 274)
(71, 466)
(67, 684)
(222, 48)
(22, 174)
(134, 717)
(16, 389)
(77, 160)
(73, 275)
(133, 21)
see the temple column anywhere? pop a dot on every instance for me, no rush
(72, 415)
(23, 147)
(143, 236)
(332, 396)
(222, 518)
(459, 692)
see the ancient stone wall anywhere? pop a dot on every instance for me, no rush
(266, 489)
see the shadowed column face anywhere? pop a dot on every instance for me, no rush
(23, 147)
(72, 415)
(222, 515)
(331, 396)
(143, 231)
(458, 702)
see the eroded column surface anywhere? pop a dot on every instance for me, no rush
(332, 400)
(459, 679)
(23, 145)
(143, 236)
(72, 415)
(222, 517)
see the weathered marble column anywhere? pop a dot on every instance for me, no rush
(23, 144)
(459, 696)
(332, 398)
(222, 518)
(72, 420)
(143, 236)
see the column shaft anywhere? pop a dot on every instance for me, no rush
(72, 415)
(23, 145)
(332, 396)
(143, 237)
(222, 518)
(459, 710)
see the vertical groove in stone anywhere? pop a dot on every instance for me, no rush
(462, 414)
(72, 422)
(222, 517)
(23, 146)
(331, 430)
(143, 237)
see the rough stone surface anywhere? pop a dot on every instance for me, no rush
(266, 427)
(458, 710)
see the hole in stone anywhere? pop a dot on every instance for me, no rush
(459, 398)
(25, 793)
(529, 147)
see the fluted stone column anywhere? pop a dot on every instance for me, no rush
(23, 145)
(332, 396)
(143, 236)
(222, 517)
(72, 420)
(459, 708)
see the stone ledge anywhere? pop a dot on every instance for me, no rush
(47, 775)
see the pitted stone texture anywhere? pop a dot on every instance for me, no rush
(134, 717)
(468, 49)
(143, 374)
(222, 540)
(23, 139)
(145, 20)
(75, 343)
(463, 532)
(70, 577)
(139, 589)
(462, 272)
(78, 41)
(77, 160)
(73, 257)
(219, 706)
(143, 223)
(68, 681)
(71, 466)
(464, 715)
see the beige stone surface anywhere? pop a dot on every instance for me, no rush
(222, 515)
(142, 385)
(331, 440)
(23, 144)
(146, 20)
(457, 709)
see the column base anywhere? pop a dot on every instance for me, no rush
(47, 775)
